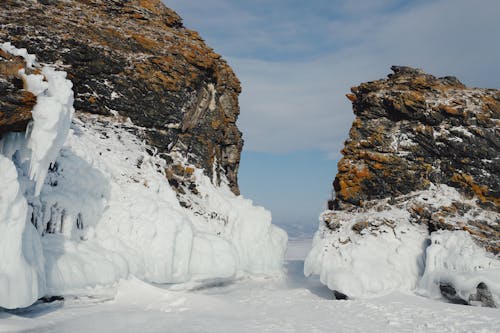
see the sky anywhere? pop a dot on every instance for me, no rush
(297, 60)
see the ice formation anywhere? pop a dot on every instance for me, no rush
(373, 252)
(24, 161)
(368, 264)
(453, 258)
(90, 205)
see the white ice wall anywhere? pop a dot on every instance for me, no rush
(105, 211)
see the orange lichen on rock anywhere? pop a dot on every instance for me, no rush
(351, 97)
(481, 191)
(16, 103)
(350, 179)
(449, 110)
(145, 42)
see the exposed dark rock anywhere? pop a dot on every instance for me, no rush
(133, 59)
(51, 299)
(483, 296)
(339, 296)
(449, 292)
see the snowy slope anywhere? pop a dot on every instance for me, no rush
(90, 205)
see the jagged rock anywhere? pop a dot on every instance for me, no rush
(133, 59)
(483, 296)
(412, 130)
(417, 193)
(449, 292)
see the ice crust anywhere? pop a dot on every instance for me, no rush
(90, 205)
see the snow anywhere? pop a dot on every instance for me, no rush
(288, 304)
(11, 49)
(454, 258)
(105, 216)
(22, 278)
(52, 116)
(19, 280)
(133, 223)
(368, 265)
(390, 253)
(93, 207)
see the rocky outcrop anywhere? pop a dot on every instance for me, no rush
(417, 193)
(134, 60)
(412, 130)
(420, 129)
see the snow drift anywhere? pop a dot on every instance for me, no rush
(86, 203)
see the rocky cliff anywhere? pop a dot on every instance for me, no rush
(421, 164)
(119, 154)
(413, 130)
(131, 59)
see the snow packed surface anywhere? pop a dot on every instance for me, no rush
(291, 303)
(89, 205)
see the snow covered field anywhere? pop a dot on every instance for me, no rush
(291, 304)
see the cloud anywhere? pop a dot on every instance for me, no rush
(297, 59)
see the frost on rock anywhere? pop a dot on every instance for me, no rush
(373, 251)
(90, 205)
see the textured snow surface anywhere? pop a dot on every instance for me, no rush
(393, 254)
(88, 206)
(289, 304)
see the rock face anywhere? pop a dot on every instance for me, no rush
(141, 180)
(417, 193)
(132, 59)
(412, 130)
(16, 103)
(420, 129)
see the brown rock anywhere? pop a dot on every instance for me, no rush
(136, 58)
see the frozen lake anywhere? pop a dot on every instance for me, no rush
(291, 303)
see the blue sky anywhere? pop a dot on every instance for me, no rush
(296, 61)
